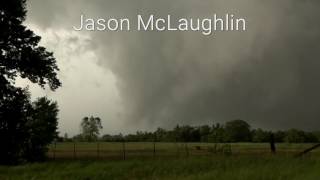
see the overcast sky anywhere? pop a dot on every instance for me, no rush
(268, 75)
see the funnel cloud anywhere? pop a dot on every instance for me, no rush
(267, 75)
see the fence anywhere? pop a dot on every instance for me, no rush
(126, 150)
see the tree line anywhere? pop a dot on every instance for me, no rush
(232, 131)
(26, 127)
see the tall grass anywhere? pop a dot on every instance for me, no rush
(242, 167)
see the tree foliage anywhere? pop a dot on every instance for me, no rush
(216, 133)
(14, 115)
(91, 127)
(26, 129)
(260, 135)
(238, 130)
(42, 128)
(20, 56)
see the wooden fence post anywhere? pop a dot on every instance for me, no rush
(154, 145)
(124, 149)
(74, 150)
(54, 150)
(98, 149)
(272, 144)
(308, 150)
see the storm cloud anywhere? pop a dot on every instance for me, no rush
(268, 75)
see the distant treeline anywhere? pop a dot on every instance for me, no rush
(232, 131)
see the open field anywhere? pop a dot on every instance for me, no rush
(214, 167)
(118, 150)
(171, 161)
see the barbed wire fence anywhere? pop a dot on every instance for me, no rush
(124, 150)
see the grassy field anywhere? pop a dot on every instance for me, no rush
(247, 161)
(106, 150)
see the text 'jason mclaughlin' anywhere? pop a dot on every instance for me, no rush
(206, 26)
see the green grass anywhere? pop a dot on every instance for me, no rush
(213, 167)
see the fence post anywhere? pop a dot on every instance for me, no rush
(308, 150)
(272, 144)
(124, 149)
(74, 150)
(187, 150)
(54, 150)
(154, 145)
(98, 149)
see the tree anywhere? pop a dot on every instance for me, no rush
(20, 53)
(42, 128)
(91, 128)
(218, 134)
(186, 133)
(78, 138)
(260, 135)
(238, 131)
(161, 134)
(20, 56)
(295, 136)
(65, 137)
(13, 132)
(317, 135)
(279, 136)
(310, 137)
(204, 133)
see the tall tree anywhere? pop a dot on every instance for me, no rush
(91, 127)
(217, 134)
(14, 111)
(259, 135)
(238, 131)
(295, 136)
(20, 56)
(204, 133)
(42, 128)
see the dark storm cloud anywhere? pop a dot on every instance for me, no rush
(268, 75)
